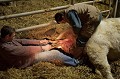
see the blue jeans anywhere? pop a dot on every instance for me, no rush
(55, 55)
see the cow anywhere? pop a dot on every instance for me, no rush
(104, 46)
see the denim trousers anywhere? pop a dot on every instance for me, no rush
(55, 55)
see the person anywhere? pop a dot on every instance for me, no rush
(83, 18)
(21, 53)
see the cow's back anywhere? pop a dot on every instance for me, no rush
(108, 35)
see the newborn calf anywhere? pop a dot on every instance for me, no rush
(68, 43)
(104, 45)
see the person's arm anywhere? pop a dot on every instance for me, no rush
(33, 42)
(24, 50)
(21, 50)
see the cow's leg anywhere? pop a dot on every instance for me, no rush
(103, 66)
(98, 56)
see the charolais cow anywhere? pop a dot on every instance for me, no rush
(104, 45)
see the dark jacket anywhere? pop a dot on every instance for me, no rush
(18, 53)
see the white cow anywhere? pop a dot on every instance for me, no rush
(104, 44)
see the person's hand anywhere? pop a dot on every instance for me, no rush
(52, 22)
(47, 47)
(44, 41)
(53, 41)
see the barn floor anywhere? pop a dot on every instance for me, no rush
(44, 70)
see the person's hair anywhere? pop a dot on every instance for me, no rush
(7, 30)
(59, 16)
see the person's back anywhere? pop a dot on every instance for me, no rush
(86, 12)
(89, 17)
